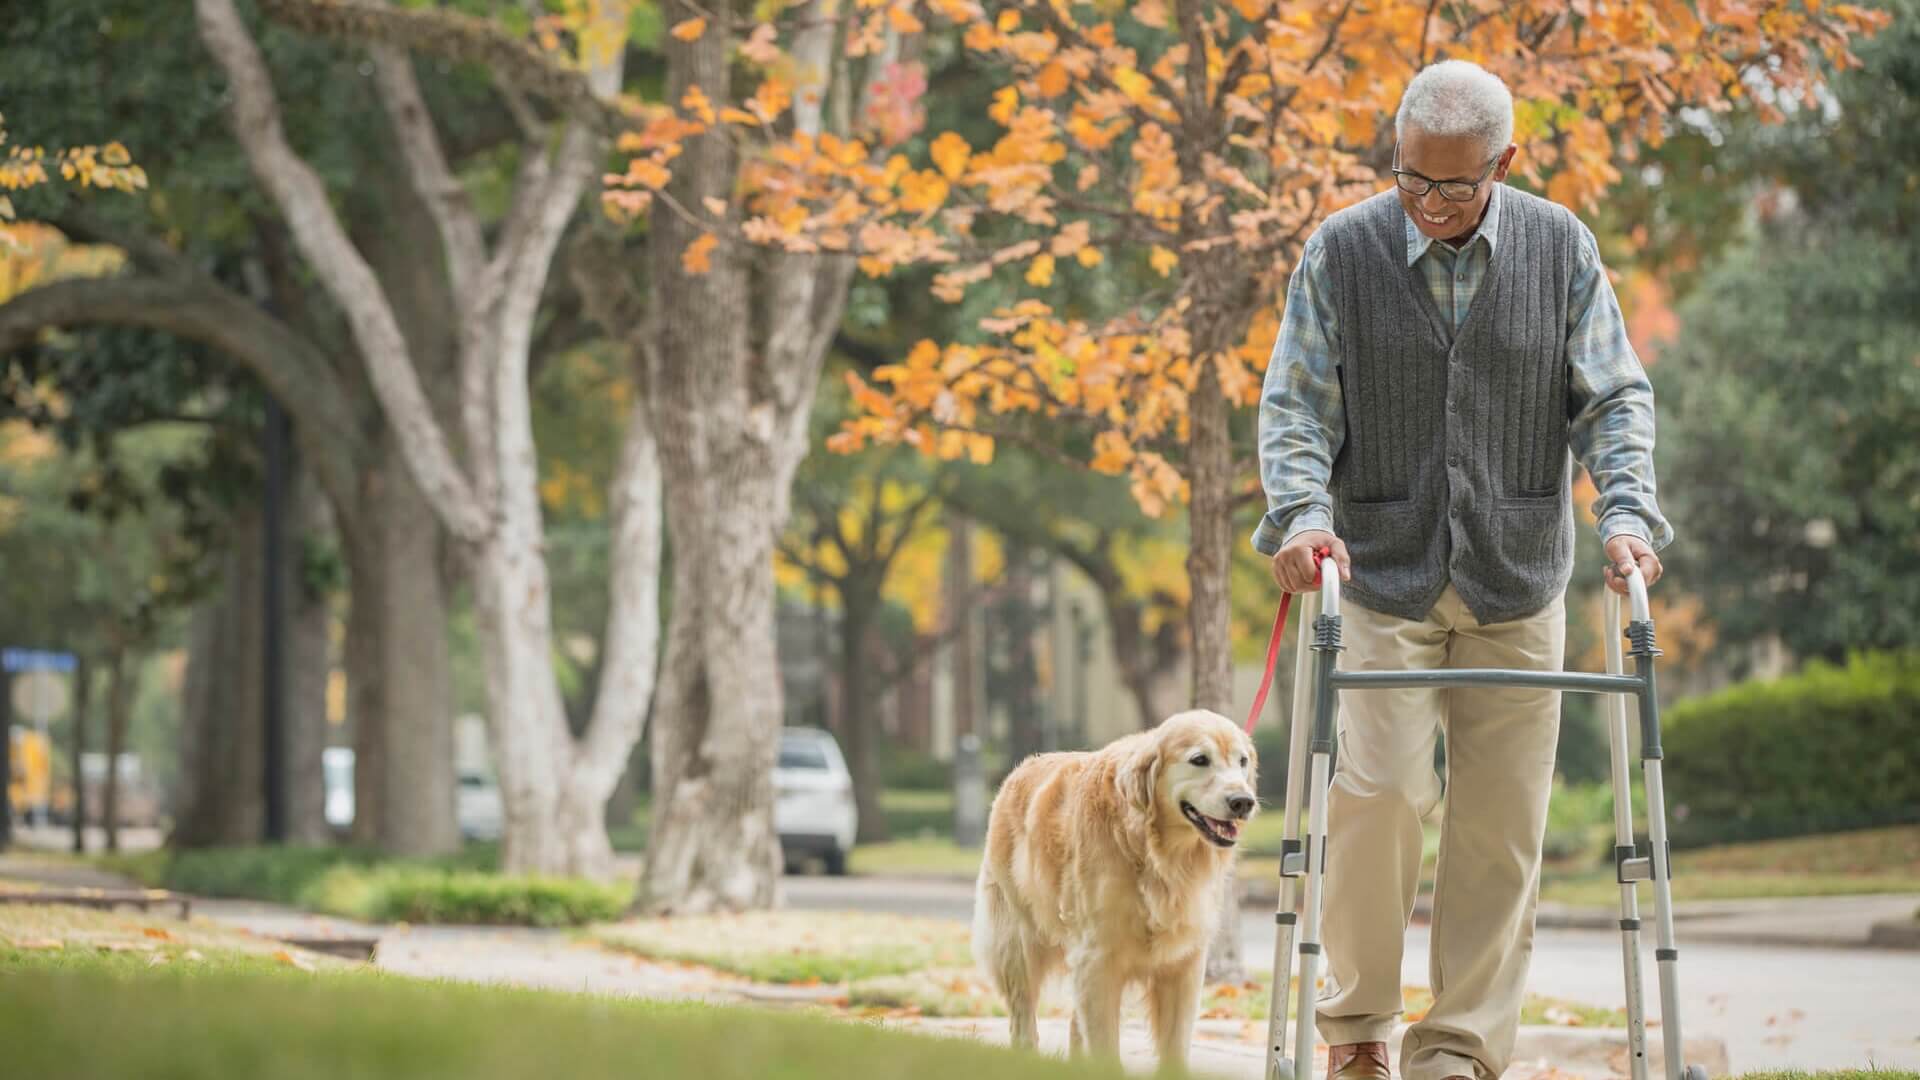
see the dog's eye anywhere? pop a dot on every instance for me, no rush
(1243, 761)
(1198, 759)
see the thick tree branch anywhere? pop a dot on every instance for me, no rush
(445, 197)
(293, 371)
(450, 35)
(303, 201)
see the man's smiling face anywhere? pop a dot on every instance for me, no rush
(1448, 157)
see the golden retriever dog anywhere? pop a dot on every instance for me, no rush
(1109, 863)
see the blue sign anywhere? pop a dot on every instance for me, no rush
(15, 661)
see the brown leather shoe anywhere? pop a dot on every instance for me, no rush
(1358, 1061)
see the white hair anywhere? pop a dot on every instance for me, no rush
(1457, 97)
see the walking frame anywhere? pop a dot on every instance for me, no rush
(1316, 680)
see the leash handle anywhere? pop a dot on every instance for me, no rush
(1320, 554)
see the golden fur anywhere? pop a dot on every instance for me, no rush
(1092, 866)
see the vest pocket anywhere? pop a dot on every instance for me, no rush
(1527, 529)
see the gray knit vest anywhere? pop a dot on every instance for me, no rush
(1455, 465)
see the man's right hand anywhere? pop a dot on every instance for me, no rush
(1293, 565)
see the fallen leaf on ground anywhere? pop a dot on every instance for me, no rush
(37, 943)
(300, 962)
(158, 932)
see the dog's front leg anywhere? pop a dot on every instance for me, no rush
(1097, 985)
(1173, 999)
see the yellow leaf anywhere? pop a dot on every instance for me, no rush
(695, 101)
(1133, 84)
(922, 191)
(1053, 79)
(1163, 260)
(903, 21)
(950, 153)
(1005, 101)
(716, 207)
(1040, 271)
(1088, 256)
(1111, 455)
(689, 30)
(293, 960)
(738, 116)
(698, 257)
(980, 449)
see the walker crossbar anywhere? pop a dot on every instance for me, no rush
(1585, 682)
(1317, 683)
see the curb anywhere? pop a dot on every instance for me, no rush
(1894, 934)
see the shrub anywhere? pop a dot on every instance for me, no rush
(458, 888)
(1830, 748)
(906, 768)
(424, 895)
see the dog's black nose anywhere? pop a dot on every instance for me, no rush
(1240, 805)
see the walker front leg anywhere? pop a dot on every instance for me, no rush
(1292, 859)
(1630, 867)
(1666, 953)
(1326, 649)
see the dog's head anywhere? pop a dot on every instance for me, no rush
(1198, 767)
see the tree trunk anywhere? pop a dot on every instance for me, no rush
(1208, 559)
(82, 703)
(1133, 654)
(398, 670)
(119, 704)
(223, 742)
(717, 721)
(1022, 675)
(308, 662)
(858, 727)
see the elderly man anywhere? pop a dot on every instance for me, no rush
(1445, 345)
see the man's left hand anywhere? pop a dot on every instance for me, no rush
(1623, 553)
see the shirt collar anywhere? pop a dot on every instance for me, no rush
(1418, 242)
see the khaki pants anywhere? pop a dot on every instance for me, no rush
(1500, 753)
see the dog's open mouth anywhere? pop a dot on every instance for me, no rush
(1218, 832)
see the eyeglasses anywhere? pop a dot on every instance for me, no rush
(1452, 190)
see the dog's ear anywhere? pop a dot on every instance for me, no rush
(1139, 775)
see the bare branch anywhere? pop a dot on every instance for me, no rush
(303, 201)
(445, 197)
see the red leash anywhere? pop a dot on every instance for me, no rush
(1273, 642)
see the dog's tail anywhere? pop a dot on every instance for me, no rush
(997, 944)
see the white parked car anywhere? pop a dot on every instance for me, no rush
(477, 807)
(813, 808)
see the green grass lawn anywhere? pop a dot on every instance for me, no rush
(181, 1000)
(1836, 864)
(166, 1024)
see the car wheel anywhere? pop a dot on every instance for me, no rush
(836, 861)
